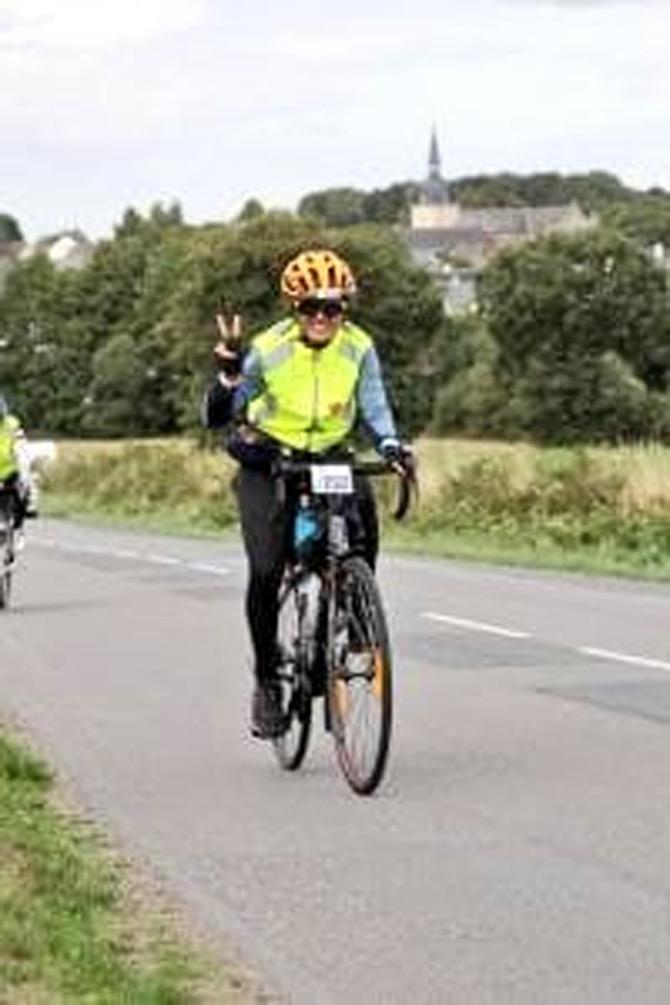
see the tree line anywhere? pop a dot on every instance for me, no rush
(643, 215)
(571, 345)
(571, 342)
(124, 346)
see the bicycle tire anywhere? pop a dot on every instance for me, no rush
(291, 746)
(359, 677)
(6, 555)
(5, 587)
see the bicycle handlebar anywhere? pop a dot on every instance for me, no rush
(286, 467)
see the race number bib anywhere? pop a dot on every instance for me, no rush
(332, 479)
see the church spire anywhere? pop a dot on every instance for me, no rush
(434, 159)
(434, 191)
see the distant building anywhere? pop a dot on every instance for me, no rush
(70, 249)
(454, 242)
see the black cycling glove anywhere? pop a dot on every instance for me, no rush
(398, 454)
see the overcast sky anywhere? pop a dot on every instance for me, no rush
(209, 102)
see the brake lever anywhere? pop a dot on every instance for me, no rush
(408, 485)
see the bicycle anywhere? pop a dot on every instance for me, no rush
(333, 639)
(7, 551)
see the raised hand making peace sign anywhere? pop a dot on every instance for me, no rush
(228, 350)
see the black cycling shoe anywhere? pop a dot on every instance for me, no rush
(267, 718)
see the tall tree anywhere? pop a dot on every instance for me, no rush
(336, 207)
(117, 394)
(9, 228)
(583, 328)
(44, 361)
(646, 219)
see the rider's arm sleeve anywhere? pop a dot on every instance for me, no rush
(216, 407)
(250, 386)
(373, 407)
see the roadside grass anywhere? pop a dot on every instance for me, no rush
(74, 926)
(151, 481)
(604, 510)
(594, 510)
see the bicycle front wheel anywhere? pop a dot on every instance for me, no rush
(360, 677)
(291, 747)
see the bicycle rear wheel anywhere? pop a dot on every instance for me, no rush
(291, 747)
(360, 677)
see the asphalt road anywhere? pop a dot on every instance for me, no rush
(518, 850)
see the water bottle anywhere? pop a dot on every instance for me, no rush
(306, 529)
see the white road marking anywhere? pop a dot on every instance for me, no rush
(476, 626)
(137, 556)
(448, 619)
(642, 661)
(162, 559)
(215, 570)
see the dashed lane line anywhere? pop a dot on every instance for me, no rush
(136, 556)
(214, 570)
(477, 626)
(630, 658)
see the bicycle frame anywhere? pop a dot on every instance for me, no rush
(302, 577)
(338, 545)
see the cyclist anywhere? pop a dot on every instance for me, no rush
(302, 384)
(14, 466)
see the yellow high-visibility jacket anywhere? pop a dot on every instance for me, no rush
(307, 397)
(10, 428)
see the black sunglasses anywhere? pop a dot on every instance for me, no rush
(329, 308)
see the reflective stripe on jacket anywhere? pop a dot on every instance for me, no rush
(308, 396)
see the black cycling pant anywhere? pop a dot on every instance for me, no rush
(267, 524)
(18, 502)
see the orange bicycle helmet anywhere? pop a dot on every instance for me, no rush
(320, 273)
